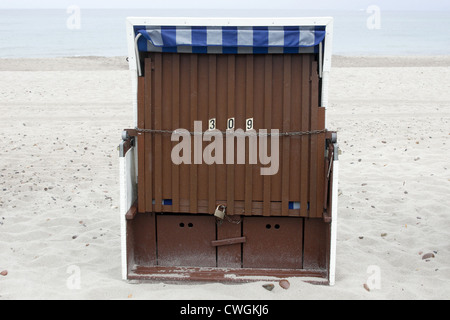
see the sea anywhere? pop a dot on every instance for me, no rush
(75, 31)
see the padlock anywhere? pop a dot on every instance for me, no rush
(220, 214)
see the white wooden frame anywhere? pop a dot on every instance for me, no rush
(184, 21)
(128, 195)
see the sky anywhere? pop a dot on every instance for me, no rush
(403, 5)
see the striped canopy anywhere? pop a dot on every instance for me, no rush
(229, 40)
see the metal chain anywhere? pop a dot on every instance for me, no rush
(281, 134)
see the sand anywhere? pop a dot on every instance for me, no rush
(60, 125)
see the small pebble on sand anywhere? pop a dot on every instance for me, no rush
(268, 287)
(428, 256)
(285, 284)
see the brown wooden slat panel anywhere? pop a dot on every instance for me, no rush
(231, 114)
(212, 113)
(166, 123)
(296, 125)
(148, 150)
(258, 116)
(277, 123)
(277, 91)
(240, 116)
(157, 83)
(202, 115)
(141, 145)
(221, 117)
(268, 125)
(249, 114)
(286, 145)
(193, 115)
(185, 120)
(175, 125)
(304, 161)
(314, 103)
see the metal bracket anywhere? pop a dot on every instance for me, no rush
(128, 141)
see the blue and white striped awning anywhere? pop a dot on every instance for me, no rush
(229, 40)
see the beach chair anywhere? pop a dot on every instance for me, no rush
(229, 172)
